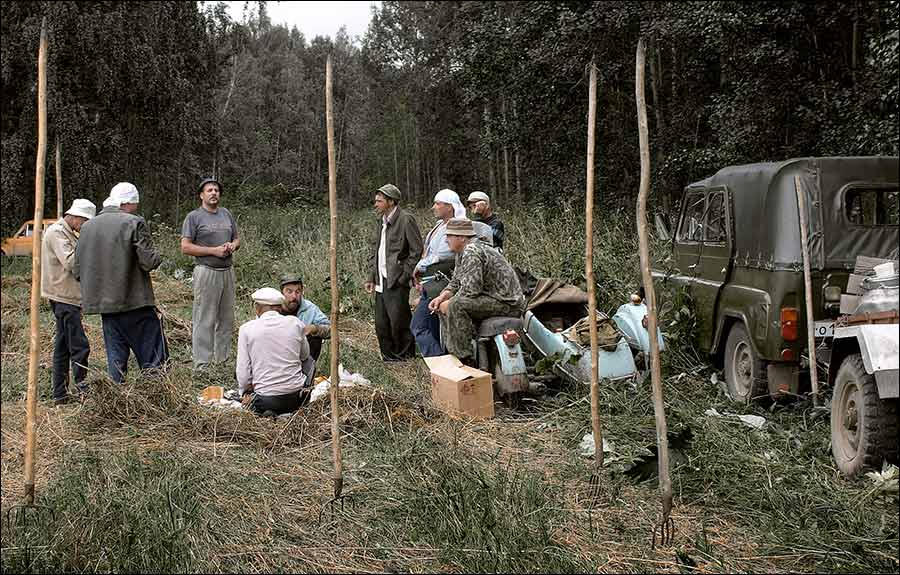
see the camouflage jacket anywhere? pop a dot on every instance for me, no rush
(482, 271)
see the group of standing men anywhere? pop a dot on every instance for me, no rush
(400, 259)
(101, 263)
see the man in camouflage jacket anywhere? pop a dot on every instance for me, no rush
(484, 285)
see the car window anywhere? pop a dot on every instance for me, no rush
(715, 219)
(27, 231)
(865, 206)
(691, 229)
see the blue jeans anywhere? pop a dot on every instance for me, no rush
(426, 328)
(138, 330)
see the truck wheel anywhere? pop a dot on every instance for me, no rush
(863, 427)
(745, 372)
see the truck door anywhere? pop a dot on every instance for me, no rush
(713, 264)
(689, 237)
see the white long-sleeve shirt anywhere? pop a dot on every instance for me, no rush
(270, 355)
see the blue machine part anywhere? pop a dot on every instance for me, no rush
(574, 361)
(629, 319)
(512, 360)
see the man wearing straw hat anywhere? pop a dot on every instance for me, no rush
(436, 264)
(210, 234)
(395, 248)
(484, 285)
(113, 261)
(273, 363)
(58, 284)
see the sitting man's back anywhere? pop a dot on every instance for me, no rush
(273, 358)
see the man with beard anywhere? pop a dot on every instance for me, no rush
(318, 326)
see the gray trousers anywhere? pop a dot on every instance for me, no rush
(213, 315)
(458, 326)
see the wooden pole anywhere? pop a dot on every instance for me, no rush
(807, 280)
(35, 341)
(589, 273)
(335, 295)
(659, 409)
(59, 192)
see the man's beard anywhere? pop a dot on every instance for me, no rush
(290, 309)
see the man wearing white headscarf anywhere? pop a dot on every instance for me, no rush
(113, 260)
(433, 271)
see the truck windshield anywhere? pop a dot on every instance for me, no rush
(864, 206)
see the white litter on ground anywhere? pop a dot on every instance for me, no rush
(347, 380)
(754, 421)
(587, 445)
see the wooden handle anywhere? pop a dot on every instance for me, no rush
(335, 293)
(35, 341)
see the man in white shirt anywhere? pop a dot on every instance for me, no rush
(273, 361)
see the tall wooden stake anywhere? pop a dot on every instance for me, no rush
(589, 273)
(35, 342)
(59, 192)
(659, 409)
(807, 279)
(335, 294)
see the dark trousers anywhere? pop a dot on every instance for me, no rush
(69, 346)
(315, 346)
(138, 330)
(392, 319)
(426, 328)
(286, 403)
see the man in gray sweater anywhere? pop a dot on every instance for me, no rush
(113, 260)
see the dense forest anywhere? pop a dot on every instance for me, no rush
(467, 95)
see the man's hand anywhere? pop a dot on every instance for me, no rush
(445, 306)
(416, 283)
(310, 329)
(221, 251)
(369, 287)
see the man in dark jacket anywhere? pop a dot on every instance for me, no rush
(113, 260)
(480, 205)
(396, 246)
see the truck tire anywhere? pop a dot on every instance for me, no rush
(863, 427)
(745, 372)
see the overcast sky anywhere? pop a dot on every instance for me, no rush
(315, 18)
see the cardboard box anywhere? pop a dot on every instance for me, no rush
(854, 284)
(849, 303)
(459, 389)
(865, 265)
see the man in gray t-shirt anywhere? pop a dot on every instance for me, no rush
(210, 234)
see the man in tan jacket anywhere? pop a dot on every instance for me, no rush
(59, 285)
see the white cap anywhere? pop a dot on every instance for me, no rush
(268, 296)
(82, 208)
(122, 193)
(448, 196)
(475, 196)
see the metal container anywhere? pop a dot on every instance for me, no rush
(879, 294)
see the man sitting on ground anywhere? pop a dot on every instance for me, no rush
(483, 285)
(318, 326)
(273, 361)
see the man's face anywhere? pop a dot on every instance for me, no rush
(293, 295)
(478, 207)
(75, 222)
(442, 211)
(209, 195)
(382, 205)
(457, 243)
(129, 208)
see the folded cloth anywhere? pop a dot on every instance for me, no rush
(608, 333)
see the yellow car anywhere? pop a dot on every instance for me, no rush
(20, 243)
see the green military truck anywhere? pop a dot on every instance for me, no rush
(737, 251)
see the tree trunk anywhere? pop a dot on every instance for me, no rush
(505, 154)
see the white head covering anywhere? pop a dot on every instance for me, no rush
(448, 196)
(122, 193)
(268, 296)
(82, 208)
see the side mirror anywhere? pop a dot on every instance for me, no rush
(662, 228)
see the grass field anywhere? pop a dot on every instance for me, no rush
(142, 478)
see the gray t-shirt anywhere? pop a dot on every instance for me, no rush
(210, 230)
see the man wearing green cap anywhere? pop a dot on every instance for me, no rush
(395, 248)
(210, 234)
(483, 285)
(318, 326)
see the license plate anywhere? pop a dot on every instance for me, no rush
(824, 329)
